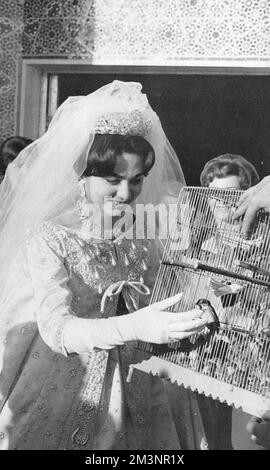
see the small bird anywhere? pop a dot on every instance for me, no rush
(223, 288)
(227, 291)
(207, 309)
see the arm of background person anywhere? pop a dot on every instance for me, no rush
(255, 198)
(260, 430)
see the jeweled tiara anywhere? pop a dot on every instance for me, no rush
(125, 123)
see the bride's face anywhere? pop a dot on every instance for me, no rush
(122, 187)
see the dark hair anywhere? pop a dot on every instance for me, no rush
(10, 148)
(106, 148)
(228, 165)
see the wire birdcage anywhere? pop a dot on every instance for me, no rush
(207, 258)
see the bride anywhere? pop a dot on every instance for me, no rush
(74, 284)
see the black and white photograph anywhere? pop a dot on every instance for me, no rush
(134, 228)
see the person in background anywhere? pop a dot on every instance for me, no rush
(255, 198)
(228, 171)
(9, 149)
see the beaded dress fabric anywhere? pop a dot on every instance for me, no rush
(60, 276)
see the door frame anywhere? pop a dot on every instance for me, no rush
(34, 80)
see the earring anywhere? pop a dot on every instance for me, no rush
(82, 204)
(85, 211)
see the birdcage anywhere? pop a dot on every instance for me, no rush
(228, 276)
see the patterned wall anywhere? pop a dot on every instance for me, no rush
(60, 28)
(11, 28)
(121, 30)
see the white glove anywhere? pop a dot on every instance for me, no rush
(149, 324)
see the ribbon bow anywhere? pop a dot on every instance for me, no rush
(128, 288)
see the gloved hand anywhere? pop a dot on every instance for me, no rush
(149, 324)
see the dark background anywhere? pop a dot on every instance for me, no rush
(203, 115)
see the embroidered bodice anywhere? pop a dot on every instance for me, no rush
(85, 269)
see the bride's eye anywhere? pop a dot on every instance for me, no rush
(113, 181)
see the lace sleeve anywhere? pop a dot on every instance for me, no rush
(51, 292)
(58, 325)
